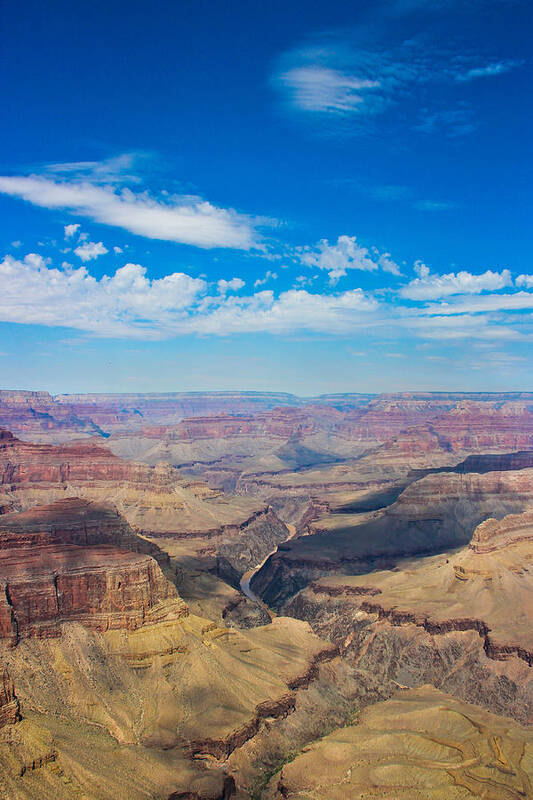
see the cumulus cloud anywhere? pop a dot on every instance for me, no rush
(432, 286)
(293, 310)
(525, 280)
(129, 304)
(268, 276)
(345, 254)
(232, 285)
(70, 230)
(184, 219)
(90, 250)
(124, 304)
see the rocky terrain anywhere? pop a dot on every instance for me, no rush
(77, 561)
(194, 521)
(130, 673)
(433, 514)
(389, 653)
(462, 621)
(421, 745)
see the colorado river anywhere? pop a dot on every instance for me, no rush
(247, 577)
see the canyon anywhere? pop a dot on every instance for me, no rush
(248, 595)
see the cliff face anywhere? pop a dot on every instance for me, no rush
(64, 563)
(462, 621)
(233, 535)
(39, 466)
(36, 413)
(434, 513)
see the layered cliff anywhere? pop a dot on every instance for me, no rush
(157, 501)
(68, 562)
(437, 512)
(462, 620)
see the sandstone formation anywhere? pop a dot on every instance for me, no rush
(395, 532)
(139, 698)
(68, 562)
(36, 415)
(197, 522)
(420, 745)
(462, 620)
(437, 512)
(9, 704)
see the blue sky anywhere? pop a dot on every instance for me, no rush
(307, 197)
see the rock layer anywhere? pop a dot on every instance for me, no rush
(420, 745)
(433, 514)
(462, 620)
(68, 562)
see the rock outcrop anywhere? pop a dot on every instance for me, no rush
(9, 704)
(195, 520)
(67, 562)
(420, 744)
(462, 621)
(437, 512)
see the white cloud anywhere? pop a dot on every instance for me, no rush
(525, 280)
(124, 304)
(293, 310)
(90, 250)
(129, 304)
(431, 286)
(318, 88)
(488, 71)
(269, 276)
(117, 250)
(70, 230)
(346, 254)
(460, 327)
(484, 304)
(232, 285)
(188, 220)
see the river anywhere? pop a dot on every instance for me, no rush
(247, 577)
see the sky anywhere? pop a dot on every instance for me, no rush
(294, 196)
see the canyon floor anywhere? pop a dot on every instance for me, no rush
(259, 596)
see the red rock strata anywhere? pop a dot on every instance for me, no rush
(61, 563)
(24, 465)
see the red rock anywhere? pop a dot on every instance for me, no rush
(61, 563)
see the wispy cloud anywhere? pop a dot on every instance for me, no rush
(476, 305)
(338, 80)
(184, 219)
(488, 71)
(327, 90)
(268, 276)
(452, 122)
(396, 193)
